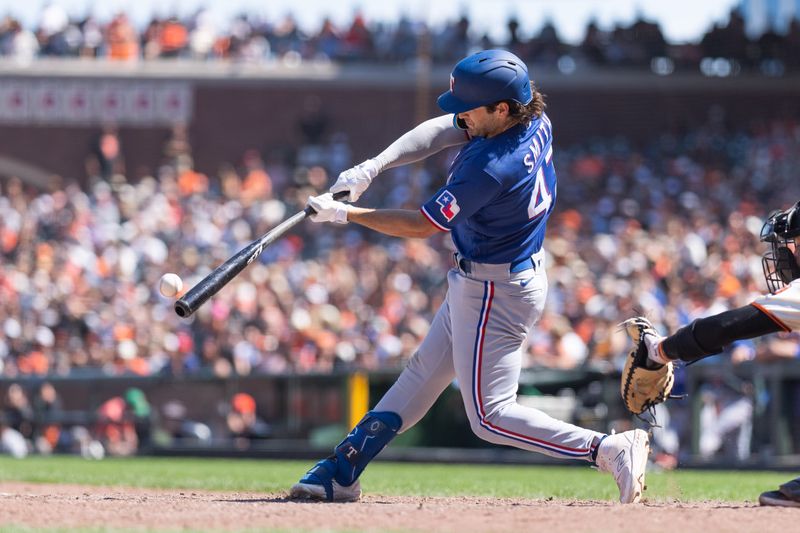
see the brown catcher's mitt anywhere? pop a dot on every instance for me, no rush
(642, 388)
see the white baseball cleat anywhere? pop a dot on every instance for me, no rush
(624, 455)
(314, 491)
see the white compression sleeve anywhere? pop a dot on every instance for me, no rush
(424, 140)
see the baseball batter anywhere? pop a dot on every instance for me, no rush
(499, 193)
(777, 311)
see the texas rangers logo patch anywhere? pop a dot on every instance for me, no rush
(448, 205)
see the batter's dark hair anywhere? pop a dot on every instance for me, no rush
(521, 112)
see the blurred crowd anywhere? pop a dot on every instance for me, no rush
(640, 44)
(669, 228)
(34, 419)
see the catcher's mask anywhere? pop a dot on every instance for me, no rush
(779, 262)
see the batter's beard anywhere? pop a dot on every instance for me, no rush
(475, 133)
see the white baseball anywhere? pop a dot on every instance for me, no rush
(170, 285)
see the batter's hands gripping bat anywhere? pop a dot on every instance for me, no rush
(220, 276)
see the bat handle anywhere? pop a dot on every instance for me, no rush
(339, 196)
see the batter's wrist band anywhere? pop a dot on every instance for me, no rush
(371, 168)
(340, 217)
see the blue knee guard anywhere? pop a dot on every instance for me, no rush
(351, 456)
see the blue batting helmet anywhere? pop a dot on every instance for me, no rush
(484, 78)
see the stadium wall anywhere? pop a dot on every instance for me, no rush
(306, 414)
(233, 108)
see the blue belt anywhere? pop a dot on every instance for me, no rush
(522, 264)
(514, 267)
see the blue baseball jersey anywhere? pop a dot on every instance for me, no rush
(499, 194)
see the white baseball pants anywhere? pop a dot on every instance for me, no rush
(477, 337)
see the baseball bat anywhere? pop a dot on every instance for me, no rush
(220, 276)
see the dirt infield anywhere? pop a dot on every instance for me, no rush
(68, 506)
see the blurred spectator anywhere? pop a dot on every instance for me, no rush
(729, 41)
(287, 38)
(17, 42)
(313, 122)
(123, 42)
(52, 32)
(150, 39)
(92, 40)
(18, 421)
(671, 438)
(138, 408)
(328, 42)
(202, 34)
(106, 158)
(726, 414)
(242, 421)
(49, 416)
(785, 347)
(173, 38)
(12, 442)
(594, 43)
(179, 428)
(120, 421)
(357, 41)
(546, 48)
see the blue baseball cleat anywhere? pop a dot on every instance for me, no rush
(319, 484)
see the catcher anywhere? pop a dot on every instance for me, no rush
(647, 378)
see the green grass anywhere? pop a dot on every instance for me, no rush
(388, 478)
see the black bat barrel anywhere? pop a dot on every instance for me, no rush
(211, 284)
(220, 276)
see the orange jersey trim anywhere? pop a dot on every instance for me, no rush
(772, 317)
